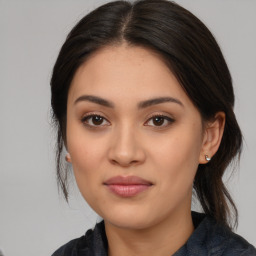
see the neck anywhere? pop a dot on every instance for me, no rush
(163, 239)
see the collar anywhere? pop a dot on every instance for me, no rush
(209, 238)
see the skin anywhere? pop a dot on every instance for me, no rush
(128, 141)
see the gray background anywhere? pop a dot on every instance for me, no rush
(34, 220)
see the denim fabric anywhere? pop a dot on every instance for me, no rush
(208, 239)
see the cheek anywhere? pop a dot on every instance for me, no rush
(87, 153)
(177, 157)
(86, 156)
(86, 148)
(181, 148)
(87, 162)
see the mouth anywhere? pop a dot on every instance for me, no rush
(128, 186)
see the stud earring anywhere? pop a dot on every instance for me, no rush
(207, 158)
(68, 158)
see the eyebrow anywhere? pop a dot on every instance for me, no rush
(155, 101)
(96, 100)
(142, 104)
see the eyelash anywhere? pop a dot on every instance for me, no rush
(165, 118)
(85, 119)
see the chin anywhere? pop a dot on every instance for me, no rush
(133, 219)
(132, 223)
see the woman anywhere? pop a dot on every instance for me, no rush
(143, 103)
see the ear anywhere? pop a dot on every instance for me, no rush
(68, 158)
(212, 137)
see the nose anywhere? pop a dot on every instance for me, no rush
(126, 148)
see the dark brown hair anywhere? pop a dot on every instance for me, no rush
(194, 57)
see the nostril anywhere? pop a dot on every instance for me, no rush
(113, 161)
(124, 163)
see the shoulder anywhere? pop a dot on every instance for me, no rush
(236, 245)
(224, 242)
(67, 249)
(214, 239)
(74, 246)
(92, 243)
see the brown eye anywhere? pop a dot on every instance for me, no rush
(94, 120)
(97, 120)
(159, 121)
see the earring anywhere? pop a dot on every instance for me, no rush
(68, 158)
(207, 158)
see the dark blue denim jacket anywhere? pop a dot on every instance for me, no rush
(208, 239)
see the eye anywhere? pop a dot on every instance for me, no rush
(159, 121)
(95, 120)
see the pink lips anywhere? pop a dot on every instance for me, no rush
(127, 186)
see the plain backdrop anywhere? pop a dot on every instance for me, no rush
(34, 219)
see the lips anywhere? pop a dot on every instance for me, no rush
(128, 186)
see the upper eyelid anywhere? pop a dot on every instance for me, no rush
(169, 119)
(90, 115)
(94, 114)
(161, 115)
(164, 117)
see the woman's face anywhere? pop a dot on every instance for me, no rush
(134, 137)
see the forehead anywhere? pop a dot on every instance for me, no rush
(128, 72)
